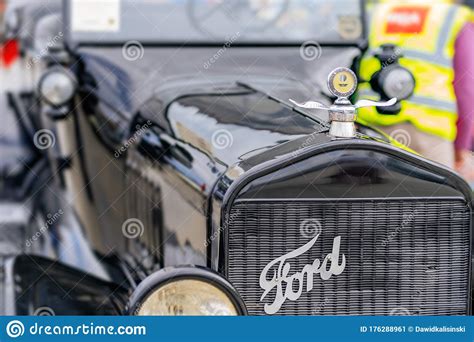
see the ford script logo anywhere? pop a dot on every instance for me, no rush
(285, 283)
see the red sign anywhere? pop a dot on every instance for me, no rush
(406, 19)
(9, 52)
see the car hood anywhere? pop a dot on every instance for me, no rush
(241, 90)
(233, 114)
(127, 81)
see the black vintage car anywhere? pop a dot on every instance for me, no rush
(181, 179)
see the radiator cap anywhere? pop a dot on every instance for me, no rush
(342, 83)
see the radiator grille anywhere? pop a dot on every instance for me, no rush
(402, 257)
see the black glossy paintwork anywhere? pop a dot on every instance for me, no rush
(168, 72)
(171, 170)
(56, 289)
(248, 123)
(173, 177)
(350, 173)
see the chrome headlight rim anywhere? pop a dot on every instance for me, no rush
(64, 72)
(168, 275)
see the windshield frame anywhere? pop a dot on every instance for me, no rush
(361, 42)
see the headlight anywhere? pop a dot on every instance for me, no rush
(57, 86)
(392, 80)
(398, 82)
(188, 297)
(186, 291)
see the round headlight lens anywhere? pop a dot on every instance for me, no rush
(57, 87)
(187, 297)
(398, 83)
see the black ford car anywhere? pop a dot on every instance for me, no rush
(177, 177)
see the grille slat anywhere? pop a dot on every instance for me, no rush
(409, 256)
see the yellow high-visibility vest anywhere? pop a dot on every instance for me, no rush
(426, 34)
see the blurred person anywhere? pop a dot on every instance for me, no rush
(436, 39)
(464, 89)
(466, 164)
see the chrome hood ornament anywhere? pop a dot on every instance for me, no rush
(342, 83)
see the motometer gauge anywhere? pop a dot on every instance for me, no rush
(342, 83)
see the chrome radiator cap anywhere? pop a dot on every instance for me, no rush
(342, 83)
